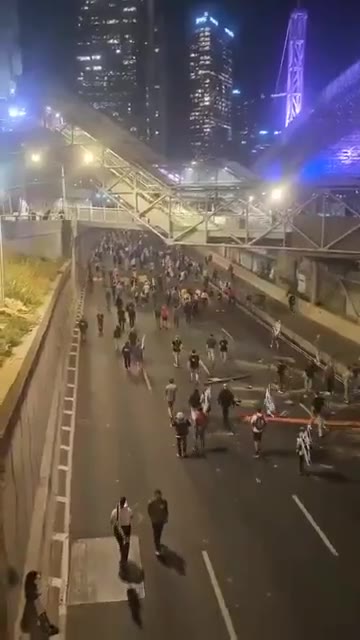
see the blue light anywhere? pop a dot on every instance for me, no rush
(16, 112)
(263, 132)
(214, 21)
(236, 92)
(202, 18)
(230, 33)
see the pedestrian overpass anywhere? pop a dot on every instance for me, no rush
(143, 192)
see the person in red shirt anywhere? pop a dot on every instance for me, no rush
(164, 317)
(201, 423)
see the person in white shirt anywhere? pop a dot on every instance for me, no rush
(205, 399)
(120, 520)
(276, 331)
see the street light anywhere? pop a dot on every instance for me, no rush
(277, 194)
(251, 199)
(35, 158)
(88, 157)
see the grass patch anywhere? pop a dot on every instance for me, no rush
(27, 282)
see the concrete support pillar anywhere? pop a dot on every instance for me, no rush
(314, 288)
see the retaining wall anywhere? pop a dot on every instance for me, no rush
(30, 387)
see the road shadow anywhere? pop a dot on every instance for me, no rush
(277, 453)
(331, 475)
(172, 560)
(135, 607)
(218, 449)
(132, 573)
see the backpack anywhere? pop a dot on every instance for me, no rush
(259, 424)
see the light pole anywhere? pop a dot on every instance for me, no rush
(2, 270)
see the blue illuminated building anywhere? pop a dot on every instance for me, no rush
(211, 85)
(322, 145)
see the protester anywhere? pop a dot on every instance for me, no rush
(226, 400)
(158, 511)
(258, 424)
(181, 425)
(120, 520)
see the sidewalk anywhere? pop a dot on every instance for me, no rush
(298, 329)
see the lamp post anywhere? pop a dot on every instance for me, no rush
(2, 270)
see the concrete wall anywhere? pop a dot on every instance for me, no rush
(30, 386)
(42, 239)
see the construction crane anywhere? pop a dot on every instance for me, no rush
(294, 47)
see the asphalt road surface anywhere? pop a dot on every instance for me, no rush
(253, 550)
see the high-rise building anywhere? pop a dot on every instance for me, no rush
(10, 56)
(119, 62)
(211, 83)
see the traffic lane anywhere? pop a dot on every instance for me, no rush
(224, 476)
(131, 457)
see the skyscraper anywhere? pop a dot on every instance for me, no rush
(10, 57)
(119, 57)
(211, 83)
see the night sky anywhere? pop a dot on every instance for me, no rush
(259, 25)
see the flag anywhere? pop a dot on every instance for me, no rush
(269, 402)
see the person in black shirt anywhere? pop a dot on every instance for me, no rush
(224, 347)
(100, 323)
(309, 374)
(226, 400)
(126, 352)
(117, 337)
(131, 314)
(317, 408)
(194, 363)
(281, 372)
(181, 426)
(176, 348)
(83, 327)
(121, 318)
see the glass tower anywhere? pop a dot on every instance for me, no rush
(119, 57)
(211, 85)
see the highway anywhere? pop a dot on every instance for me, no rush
(254, 550)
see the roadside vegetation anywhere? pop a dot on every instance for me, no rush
(27, 282)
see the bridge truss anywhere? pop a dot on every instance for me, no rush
(204, 215)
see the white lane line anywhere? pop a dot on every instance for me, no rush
(69, 398)
(64, 447)
(63, 467)
(227, 334)
(219, 597)
(71, 385)
(66, 428)
(305, 409)
(61, 499)
(310, 519)
(68, 412)
(203, 365)
(147, 380)
(71, 368)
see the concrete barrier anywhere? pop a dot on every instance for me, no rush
(30, 391)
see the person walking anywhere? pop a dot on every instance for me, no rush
(201, 423)
(176, 315)
(130, 308)
(226, 400)
(176, 349)
(157, 315)
(164, 318)
(120, 521)
(275, 336)
(211, 344)
(303, 450)
(158, 511)
(309, 375)
(126, 353)
(258, 424)
(121, 318)
(205, 399)
(83, 327)
(194, 364)
(108, 298)
(117, 338)
(347, 377)
(329, 378)
(281, 370)
(194, 403)
(317, 408)
(170, 394)
(181, 425)
(100, 323)
(224, 348)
